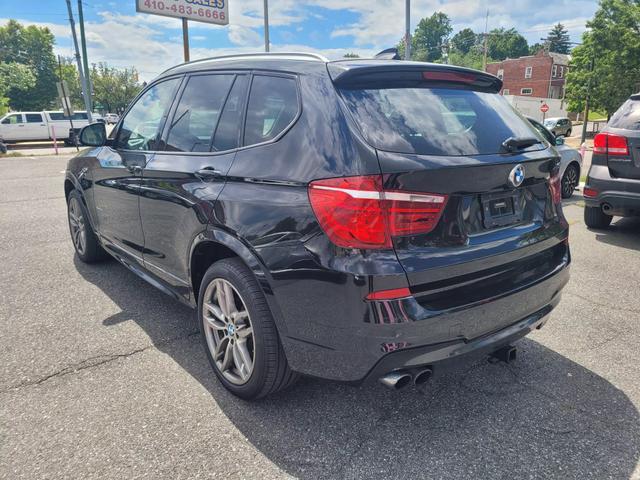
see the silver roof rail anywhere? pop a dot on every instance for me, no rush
(291, 55)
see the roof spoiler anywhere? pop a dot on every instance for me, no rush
(388, 54)
(377, 73)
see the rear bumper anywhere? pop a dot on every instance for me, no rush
(355, 348)
(620, 196)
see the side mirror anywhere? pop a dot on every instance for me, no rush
(94, 135)
(559, 141)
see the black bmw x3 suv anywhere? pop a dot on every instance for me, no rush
(351, 220)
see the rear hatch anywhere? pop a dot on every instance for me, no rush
(620, 141)
(445, 132)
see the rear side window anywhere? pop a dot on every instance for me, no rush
(198, 113)
(435, 121)
(273, 104)
(34, 118)
(627, 116)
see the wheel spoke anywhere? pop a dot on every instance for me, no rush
(228, 357)
(229, 298)
(245, 331)
(242, 359)
(220, 298)
(217, 313)
(221, 348)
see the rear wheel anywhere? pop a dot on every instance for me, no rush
(84, 239)
(594, 217)
(568, 134)
(239, 333)
(569, 181)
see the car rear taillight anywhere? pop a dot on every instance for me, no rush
(589, 192)
(610, 144)
(393, 294)
(356, 212)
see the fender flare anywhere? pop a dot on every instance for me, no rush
(251, 258)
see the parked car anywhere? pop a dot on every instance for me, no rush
(613, 181)
(25, 126)
(559, 126)
(570, 159)
(111, 118)
(351, 220)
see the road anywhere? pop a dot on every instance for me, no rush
(102, 376)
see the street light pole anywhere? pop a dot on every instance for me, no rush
(407, 30)
(85, 58)
(266, 25)
(83, 80)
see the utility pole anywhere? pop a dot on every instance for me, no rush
(266, 25)
(586, 103)
(185, 39)
(85, 58)
(83, 80)
(407, 30)
(486, 34)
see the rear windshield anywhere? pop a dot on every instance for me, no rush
(436, 121)
(627, 116)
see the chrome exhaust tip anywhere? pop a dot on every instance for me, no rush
(396, 380)
(422, 377)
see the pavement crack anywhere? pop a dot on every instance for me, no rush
(93, 362)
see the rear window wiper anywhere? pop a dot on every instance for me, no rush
(513, 144)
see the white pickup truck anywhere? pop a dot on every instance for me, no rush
(24, 126)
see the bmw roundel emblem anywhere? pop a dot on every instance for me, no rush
(516, 177)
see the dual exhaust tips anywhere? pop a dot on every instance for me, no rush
(401, 378)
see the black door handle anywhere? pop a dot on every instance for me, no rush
(208, 172)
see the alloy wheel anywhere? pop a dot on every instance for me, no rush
(78, 227)
(228, 330)
(569, 182)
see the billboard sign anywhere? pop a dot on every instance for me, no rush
(208, 11)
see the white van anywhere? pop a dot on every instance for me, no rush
(24, 126)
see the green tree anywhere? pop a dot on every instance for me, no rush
(68, 72)
(558, 39)
(351, 55)
(430, 36)
(472, 59)
(114, 88)
(613, 44)
(535, 48)
(16, 77)
(504, 43)
(31, 46)
(464, 40)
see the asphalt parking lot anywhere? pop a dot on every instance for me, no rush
(102, 376)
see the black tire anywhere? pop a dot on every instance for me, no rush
(569, 181)
(594, 217)
(92, 251)
(271, 371)
(568, 134)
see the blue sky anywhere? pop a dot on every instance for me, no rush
(122, 37)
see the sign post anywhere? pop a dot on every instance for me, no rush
(207, 11)
(544, 108)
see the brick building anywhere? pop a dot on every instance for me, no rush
(541, 75)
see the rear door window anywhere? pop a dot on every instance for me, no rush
(198, 112)
(273, 105)
(227, 135)
(627, 116)
(34, 118)
(435, 121)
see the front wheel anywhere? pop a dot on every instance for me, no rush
(239, 333)
(568, 134)
(594, 217)
(569, 181)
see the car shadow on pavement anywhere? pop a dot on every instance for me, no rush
(543, 416)
(623, 232)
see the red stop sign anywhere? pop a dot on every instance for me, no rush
(544, 108)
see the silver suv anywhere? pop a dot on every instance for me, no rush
(560, 126)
